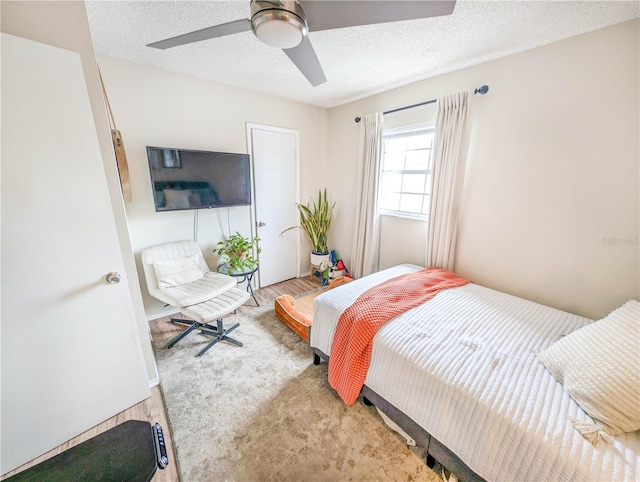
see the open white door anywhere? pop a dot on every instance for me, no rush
(274, 153)
(71, 356)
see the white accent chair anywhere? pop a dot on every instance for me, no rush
(177, 274)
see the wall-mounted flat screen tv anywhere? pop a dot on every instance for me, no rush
(189, 179)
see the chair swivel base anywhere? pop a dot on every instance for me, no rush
(218, 332)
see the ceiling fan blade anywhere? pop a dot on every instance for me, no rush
(305, 58)
(221, 30)
(329, 14)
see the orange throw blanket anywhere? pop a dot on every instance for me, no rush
(358, 324)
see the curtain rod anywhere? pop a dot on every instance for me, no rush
(481, 90)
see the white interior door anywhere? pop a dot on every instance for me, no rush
(71, 356)
(275, 175)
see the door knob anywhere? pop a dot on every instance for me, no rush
(113, 278)
(260, 224)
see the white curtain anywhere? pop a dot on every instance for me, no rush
(451, 145)
(364, 248)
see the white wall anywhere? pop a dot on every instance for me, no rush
(398, 249)
(159, 108)
(551, 203)
(65, 25)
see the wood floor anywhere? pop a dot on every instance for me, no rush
(153, 408)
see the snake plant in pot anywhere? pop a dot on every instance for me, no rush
(315, 221)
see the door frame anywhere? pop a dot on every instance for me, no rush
(253, 214)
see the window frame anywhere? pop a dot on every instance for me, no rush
(407, 131)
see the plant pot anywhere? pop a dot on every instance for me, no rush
(318, 258)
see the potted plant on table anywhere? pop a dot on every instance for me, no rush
(238, 252)
(315, 221)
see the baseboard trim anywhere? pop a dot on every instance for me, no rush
(168, 312)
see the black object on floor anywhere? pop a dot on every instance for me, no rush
(125, 452)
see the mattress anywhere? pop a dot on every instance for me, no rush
(463, 367)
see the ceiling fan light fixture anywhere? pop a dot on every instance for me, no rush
(280, 24)
(279, 33)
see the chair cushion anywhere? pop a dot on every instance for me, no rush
(176, 272)
(217, 307)
(209, 286)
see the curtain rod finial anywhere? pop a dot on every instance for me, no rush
(482, 90)
(357, 119)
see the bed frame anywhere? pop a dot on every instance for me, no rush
(435, 449)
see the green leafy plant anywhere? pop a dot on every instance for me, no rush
(315, 221)
(238, 252)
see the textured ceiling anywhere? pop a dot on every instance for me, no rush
(357, 61)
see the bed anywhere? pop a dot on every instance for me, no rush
(460, 375)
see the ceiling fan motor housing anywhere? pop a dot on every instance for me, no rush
(280, 24)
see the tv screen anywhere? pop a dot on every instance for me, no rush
(188, 179)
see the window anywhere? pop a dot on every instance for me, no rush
(405, 180)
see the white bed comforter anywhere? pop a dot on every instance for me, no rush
(463, 367)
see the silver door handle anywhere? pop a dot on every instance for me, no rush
(260, 224)
(113, 278)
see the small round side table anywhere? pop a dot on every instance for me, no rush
(242, 275)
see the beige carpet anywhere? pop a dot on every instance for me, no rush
(265, 412)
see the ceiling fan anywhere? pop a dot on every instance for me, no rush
(286, 23)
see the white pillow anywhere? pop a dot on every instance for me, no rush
(176, 272)
(177, 199)
(599, 366)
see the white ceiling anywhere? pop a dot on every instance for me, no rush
(357, 61)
